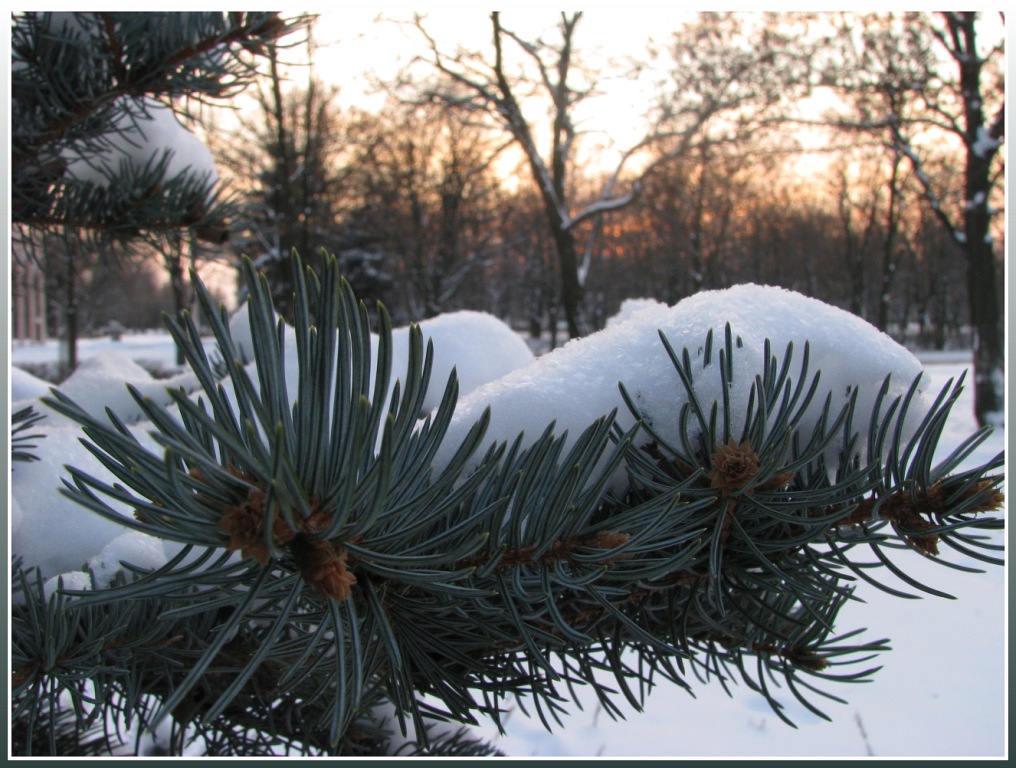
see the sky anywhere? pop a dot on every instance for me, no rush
(351, 43)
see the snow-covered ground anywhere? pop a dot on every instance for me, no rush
(942, 690)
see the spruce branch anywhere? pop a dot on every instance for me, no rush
(84, 86)
(325, 565)
(21, 444)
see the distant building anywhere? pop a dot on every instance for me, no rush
(28, 298)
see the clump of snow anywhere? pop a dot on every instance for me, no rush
(630, 307)
(71, 581)
(62, 536)
(985, 144)
(140, 135)
(48, 530)
(100, 382)
(53, 532)
(132, 547)
(89, 385)
(479, 346)
(578, 383)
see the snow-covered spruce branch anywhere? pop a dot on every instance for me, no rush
(195, 42)
(337, 548)
(89, 139)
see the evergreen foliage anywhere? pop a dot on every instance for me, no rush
(22, 444)
(80, 82)
(327, 571)
(92, 97)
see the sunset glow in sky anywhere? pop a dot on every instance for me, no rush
(353, 45)
(358, 42)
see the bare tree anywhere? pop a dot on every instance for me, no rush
(695, 202)
(892, 235)
(422, 176)
(895, 69)
(730, 79)
(285, 159)
(982, 135)
(476, 83)
(857, 191)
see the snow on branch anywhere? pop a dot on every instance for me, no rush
(603, 205)
(903, 146)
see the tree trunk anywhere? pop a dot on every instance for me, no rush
(174, 266)
(854, 262)
(69, 338)
(986, 318)
(571, 288)
(982, 275)
(282, 269)
(892, 226)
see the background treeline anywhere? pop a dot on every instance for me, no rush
(412, 203)
(433, 206)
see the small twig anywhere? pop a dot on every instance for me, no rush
(864, 734)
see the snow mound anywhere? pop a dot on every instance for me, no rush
(53, 532)
(25, 386)
(100, 382)
(134, 548)
(480, 347)
(76, 581)
(630, 307)
(578, 383)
